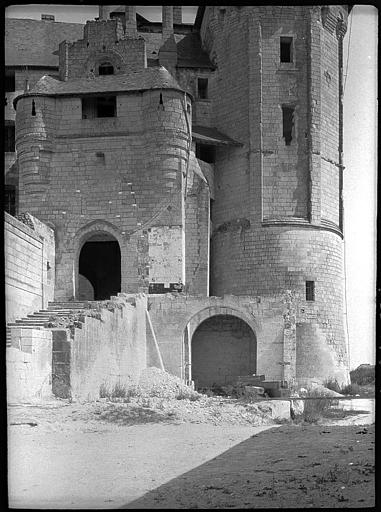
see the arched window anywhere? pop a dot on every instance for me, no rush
(106, 68)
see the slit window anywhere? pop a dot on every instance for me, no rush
(99, 106)
(206, 153)
(286, 49)
(106, 68)
(310, 290)
(202, 88)
(288, 123)
(9, 138)
(9, 82)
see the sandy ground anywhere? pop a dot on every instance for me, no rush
(62, 456)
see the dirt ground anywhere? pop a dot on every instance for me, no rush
(107, 455)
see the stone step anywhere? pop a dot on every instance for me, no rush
(25, 326)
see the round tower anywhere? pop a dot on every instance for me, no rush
(278, 213)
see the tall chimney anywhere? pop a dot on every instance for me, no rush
(167, 21)
(130, 13)
(102, 12)
(177, 14)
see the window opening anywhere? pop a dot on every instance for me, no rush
(9, 138)
(99, 106)
(10, 82)
(286, 49)
(310, 290)
(202, 88)
(106, 68)
(288, 124)
(33, 108)
(206, 153)
(10, 199)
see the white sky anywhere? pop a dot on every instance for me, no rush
(360, 150)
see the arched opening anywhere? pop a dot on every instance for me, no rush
(223, 348)
(106, 68)
(99, 267)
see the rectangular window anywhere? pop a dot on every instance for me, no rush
(202, 88)
(9, 138)
(206, 153)
(286, 49)
(310, 290)
(10, 199)
(9, 82)
(288, 123)
(98, 106)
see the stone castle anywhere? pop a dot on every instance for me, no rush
(176, 190)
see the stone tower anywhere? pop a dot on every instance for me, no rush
(204, 159)
(278, 212)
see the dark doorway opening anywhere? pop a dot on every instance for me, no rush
(100, 264)
(223, 348)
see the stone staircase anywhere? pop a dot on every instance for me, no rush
(46, 318)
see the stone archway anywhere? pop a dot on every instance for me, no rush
(219, 344)
(223, 347)
(100, 267)
(98, 261)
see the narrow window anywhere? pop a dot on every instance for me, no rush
(206, 153)
(10, 199)
(310, 290)
(106, 69)
(286, 49)
(100, 106)
(33, 108)
(202, 88)
(9, 82)
(288, 123)
(9, 138)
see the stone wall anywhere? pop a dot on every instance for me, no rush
(29, 365)
(108, 349)
(29, 266)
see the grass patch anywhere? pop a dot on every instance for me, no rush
(185, 394)
(134, 415)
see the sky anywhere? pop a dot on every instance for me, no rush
(360, 154)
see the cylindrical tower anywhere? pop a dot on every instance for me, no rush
(277, 214)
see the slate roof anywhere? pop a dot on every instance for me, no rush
(212, 136)
(32, 42)
(148, 78)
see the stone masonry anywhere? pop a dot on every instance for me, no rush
(206, 161)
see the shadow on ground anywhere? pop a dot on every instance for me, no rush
(287, 466)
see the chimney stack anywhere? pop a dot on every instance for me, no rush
(167, 22)
(177, 14)
(130, 14)
(102, 12)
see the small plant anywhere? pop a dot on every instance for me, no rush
(316, 407)
(118, 391)
(104, 391)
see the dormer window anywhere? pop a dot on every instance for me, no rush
(106, 68)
